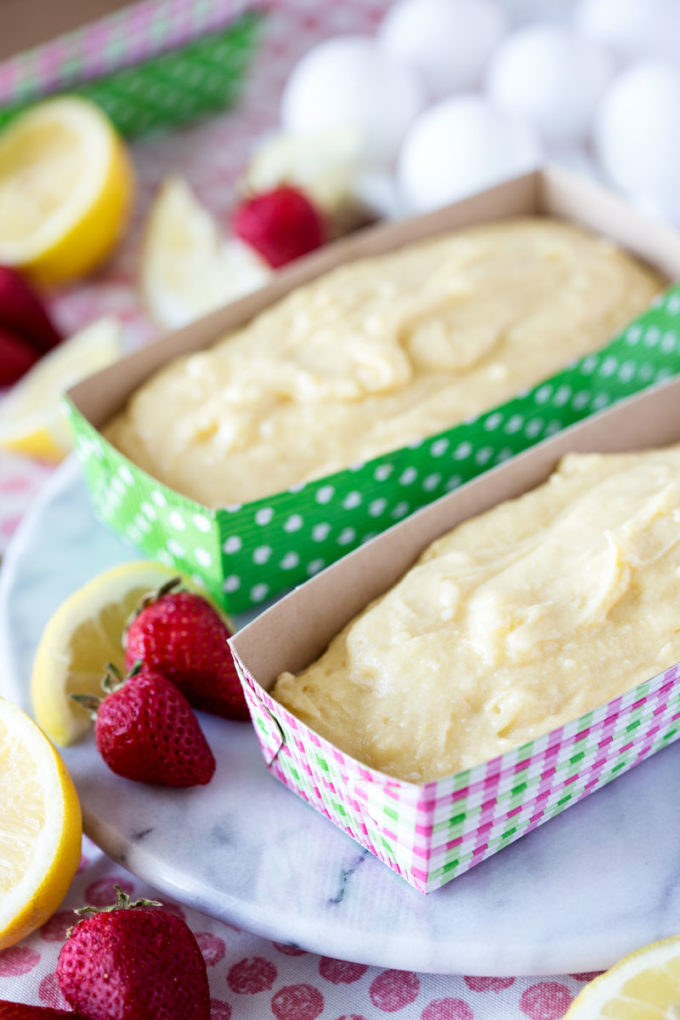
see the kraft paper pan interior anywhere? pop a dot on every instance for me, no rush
(432, 832)
(247, 553)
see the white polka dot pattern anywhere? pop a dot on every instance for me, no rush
(248, 553)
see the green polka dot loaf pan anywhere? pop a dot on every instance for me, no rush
(490, 661)
(268, 439)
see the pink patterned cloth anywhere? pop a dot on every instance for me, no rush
(211, 156)
(251, 978)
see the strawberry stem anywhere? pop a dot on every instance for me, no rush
(113, 680)
(123, 902)
(172, 585)
(89, 702)
(169, 586)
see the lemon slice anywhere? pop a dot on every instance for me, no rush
(40, 826)
(187, 268)
(642, 986)
(80, 639)
(66, 188)
(31, 420)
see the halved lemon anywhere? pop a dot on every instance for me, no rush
(66, 187)
(31, 420)
(84, 635)
(642, 986)
(187, 266)
(40, 826)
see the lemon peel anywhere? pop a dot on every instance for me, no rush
(40, 826)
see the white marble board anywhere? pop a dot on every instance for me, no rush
(598, 881)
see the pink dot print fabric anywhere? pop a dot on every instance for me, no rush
(252, 978)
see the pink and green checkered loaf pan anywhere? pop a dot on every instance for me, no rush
(431, 833)
(152, 65)
(247, 553)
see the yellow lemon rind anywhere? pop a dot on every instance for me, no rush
(77, 236)
(63, 720)
(32, 421)
(93, 238)
(608, 987)
(50, 889)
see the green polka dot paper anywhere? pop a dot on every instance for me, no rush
(168, 89)
(248, 553)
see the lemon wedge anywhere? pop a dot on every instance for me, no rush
(80, 639)
(642, 986)
(187, 267)
(40, 826)
(66, 188)
(31, 420)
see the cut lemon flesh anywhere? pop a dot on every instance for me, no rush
(31, 420)
(642, 986)
(187, 268)
(40, 826)
(83, 636)
(66, 188)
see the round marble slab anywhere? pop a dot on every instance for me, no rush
(598, 881)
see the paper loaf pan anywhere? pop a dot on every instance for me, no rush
(151, 65)
(245, 554)
(431, 833)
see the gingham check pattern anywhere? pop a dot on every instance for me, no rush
(129, 36)
(429, 834)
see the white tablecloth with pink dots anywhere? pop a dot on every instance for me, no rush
(250, 978)
(254, 979)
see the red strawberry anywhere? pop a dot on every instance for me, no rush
(183, 637)
(19, 1011)
(134, 962)
(145, 730)
(16, 357)
(22, 312)
(280, 225)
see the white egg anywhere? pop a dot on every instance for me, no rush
(461, 145)
(633, 28)
(636, 132)
(448, 42)
(350, 82)
(552, 77)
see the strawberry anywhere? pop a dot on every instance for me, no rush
(16, 357)
(145, 730)
(20, 1011)
(23, 313)
(280, 225)
(132, 961)
(183, 637)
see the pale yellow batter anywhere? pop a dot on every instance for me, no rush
(379, 353)
(515, 622)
